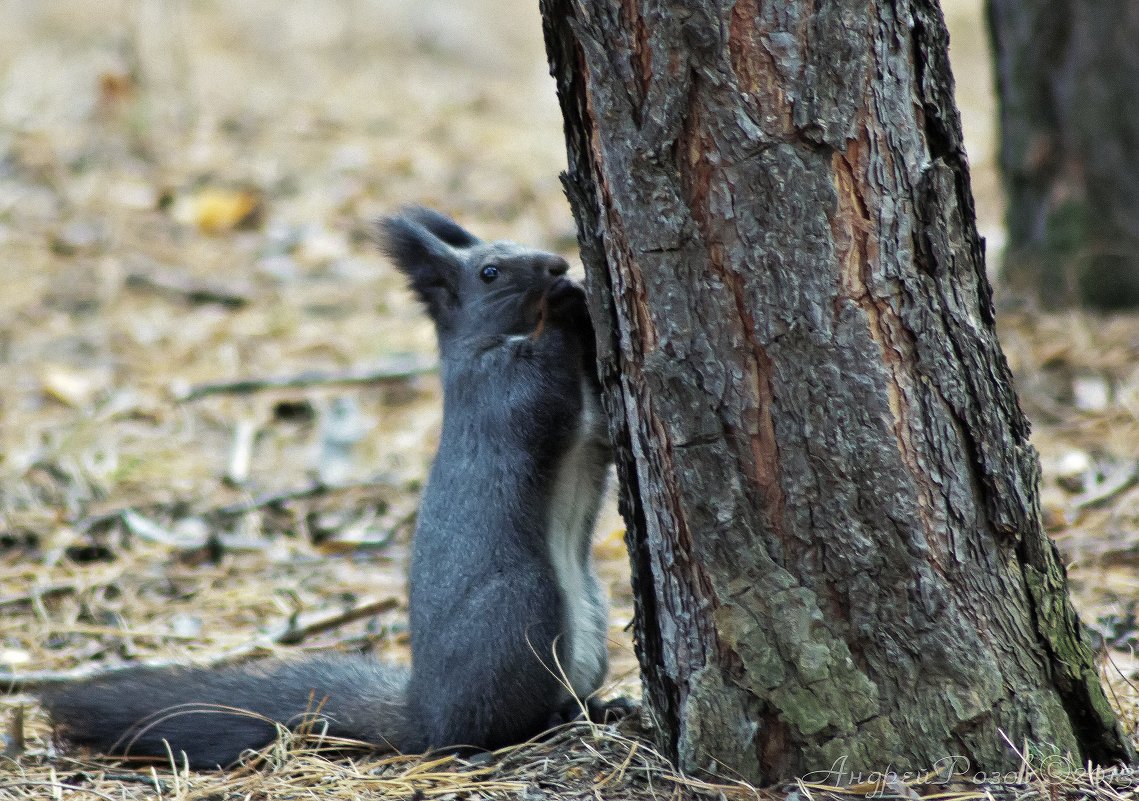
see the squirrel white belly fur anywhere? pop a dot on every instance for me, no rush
(502, 589)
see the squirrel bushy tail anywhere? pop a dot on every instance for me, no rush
(214, 714)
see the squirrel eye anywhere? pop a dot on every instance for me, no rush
(488, 273)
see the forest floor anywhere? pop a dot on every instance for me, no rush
(185, 190)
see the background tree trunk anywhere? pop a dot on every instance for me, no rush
(1069, 128)
(832, 502)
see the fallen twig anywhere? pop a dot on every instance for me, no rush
(312, 490)
(302, 627)
(396, 369)
(292, 632)
(134, 520)
(1120, 479)
(151, 531)
(36, 592)
(188, 287)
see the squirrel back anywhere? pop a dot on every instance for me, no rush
(508, 621)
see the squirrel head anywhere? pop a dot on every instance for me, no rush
(471, 288)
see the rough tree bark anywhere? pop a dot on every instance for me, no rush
(1069, 120)
(832, 502)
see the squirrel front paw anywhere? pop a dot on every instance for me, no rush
(565, 297)
(565, 302)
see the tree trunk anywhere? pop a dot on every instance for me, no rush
(831, 499)
(1069, 99)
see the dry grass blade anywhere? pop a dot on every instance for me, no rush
(55, 787)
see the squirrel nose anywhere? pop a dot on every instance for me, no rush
(558, 266)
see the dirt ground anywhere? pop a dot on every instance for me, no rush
(185, 190)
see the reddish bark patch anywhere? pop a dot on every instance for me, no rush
(754, 66)
(642, 56)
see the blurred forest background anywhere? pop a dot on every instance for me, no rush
(185, 197)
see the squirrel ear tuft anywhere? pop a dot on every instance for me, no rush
(429, 262)
(441, 225)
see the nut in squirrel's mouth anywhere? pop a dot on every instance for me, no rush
(557, 288)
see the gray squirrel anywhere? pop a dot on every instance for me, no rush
(508, 621)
